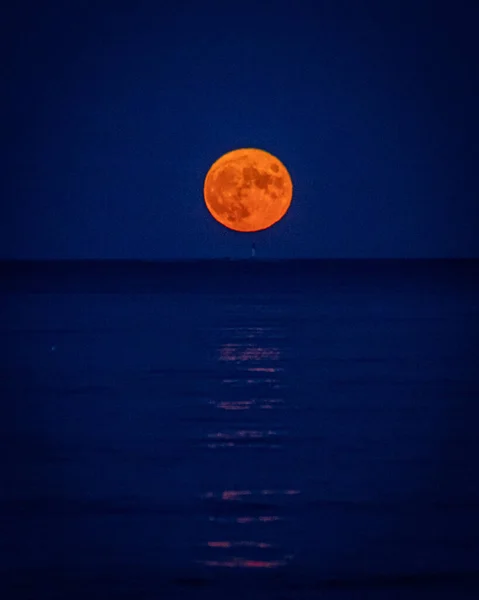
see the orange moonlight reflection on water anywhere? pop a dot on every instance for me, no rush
(248, 190)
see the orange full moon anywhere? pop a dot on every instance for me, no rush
(248, 190)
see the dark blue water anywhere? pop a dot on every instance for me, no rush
(281, 430)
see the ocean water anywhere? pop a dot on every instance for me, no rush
(240, 429)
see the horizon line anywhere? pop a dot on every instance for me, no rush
(235, 259)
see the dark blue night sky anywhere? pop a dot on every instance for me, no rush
(114, 111)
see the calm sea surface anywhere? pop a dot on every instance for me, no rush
(240, 429)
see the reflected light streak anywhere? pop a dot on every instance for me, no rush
(242, 434)
(238, 494)
(243, 520)
(262, 545)
(243, 353)
(219, 544)
(245, 563)
(259, 403)
(239, 382)
(242, 437)
(279, 492)
(234, 404)
(253, 332)
(236, 445)
(234, 494)
(264, 369)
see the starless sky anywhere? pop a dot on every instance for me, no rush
(113, 112)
